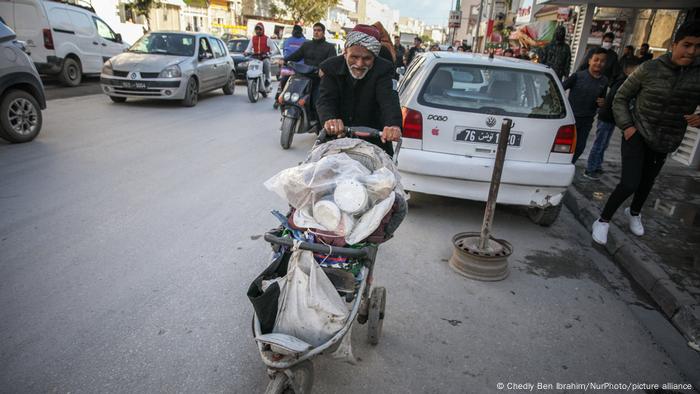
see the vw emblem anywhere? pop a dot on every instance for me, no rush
(134, 76)
(490, 121)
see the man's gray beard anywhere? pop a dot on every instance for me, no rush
(353, 75)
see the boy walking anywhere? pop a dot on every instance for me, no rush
(606, 125)
(586, 89)
(663, 94)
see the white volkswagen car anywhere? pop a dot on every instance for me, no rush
(453, 107)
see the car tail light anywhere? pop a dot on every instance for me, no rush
(565, 141)
(48, 39)
(412, 123)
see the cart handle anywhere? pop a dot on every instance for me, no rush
(363, 133)
(318, 248)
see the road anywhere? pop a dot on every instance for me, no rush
(130, 233)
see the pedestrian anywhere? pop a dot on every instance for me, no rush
(627, 56)
(434, 48)
(612, 66)
(606, 125)
(450, 49)
(586, 92)
(415, 49)
(461, 48)
(644, 53)
(508, 53)
(387, 50)
(653, 107)
(400, 52)
(557, 54)
(523, 53)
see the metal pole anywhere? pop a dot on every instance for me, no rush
(495, 183)
(475, 39)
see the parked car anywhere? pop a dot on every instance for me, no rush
(171, 66)
(21, 92)
(453, 107)
(237, 46)
(65, 40)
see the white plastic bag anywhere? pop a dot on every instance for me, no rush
(310, 307)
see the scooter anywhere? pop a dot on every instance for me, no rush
(256, 80)
(298, 115)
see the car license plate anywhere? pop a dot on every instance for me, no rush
(485, 137)
(134, 85)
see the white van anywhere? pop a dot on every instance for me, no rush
(65, 40)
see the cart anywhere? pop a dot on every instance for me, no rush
(289, 359)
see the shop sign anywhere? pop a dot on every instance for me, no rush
(524, 12)
(600, 27)
(455, 19)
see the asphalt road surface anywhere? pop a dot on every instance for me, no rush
(129, 234)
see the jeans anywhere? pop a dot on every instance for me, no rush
(266, 70)
(640, 166)
(602, 139)
(583, 128)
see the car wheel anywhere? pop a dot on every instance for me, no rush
(71, 74)
(191, 94)
(118, 99)
(544, 216)
(20, 117)
(230, 86)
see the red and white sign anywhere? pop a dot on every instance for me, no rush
(524, 12)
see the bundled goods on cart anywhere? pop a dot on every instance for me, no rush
(346, 194)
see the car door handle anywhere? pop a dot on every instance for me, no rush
(104, 45)
(95, 43)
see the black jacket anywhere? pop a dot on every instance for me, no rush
(313, 52)
(605, 113)
(611, 69)
(412, 52)
(400, 53)
(370, 101)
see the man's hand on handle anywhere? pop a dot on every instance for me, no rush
(391, 133)
(334, 126)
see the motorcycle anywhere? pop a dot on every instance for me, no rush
(298, 114)
(256, 79)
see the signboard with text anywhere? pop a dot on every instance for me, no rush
(455, 19)
(600, 27)
(524, 12)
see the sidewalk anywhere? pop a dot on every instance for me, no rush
(666, 260)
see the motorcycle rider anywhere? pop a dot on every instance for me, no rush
(357, 89)
(313, 53)
(291, 45)
(261, 47)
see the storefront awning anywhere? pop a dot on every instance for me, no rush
(659, 4)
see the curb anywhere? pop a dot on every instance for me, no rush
(640, 263)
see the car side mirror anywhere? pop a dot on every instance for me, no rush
(118, 38)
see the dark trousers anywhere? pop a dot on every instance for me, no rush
(640, 166)
(583, 128)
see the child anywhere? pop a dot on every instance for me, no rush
(585, 92)
(653, 108)
(606, 125)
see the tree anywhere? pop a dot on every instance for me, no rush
(303, 11)
(143, 7)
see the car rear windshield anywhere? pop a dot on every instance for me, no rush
(165, 44)
(237, 46)
(493, 90)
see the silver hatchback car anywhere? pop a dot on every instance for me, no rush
(169, 65)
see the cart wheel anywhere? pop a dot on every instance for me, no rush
(303, 380)
(375, 320)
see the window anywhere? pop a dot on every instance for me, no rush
(82, 23)
(104, 31)
(493, 90)
(217, 49)
(222, 46)
(412, 69)
(237, 46)
(165, 44)
(205, 48)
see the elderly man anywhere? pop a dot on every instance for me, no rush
(357, 89)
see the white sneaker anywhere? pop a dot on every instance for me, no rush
(636, 226)
(600, 232)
